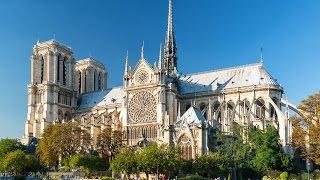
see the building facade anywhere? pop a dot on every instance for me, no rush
(156, 103)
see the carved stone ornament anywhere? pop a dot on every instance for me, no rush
(142, 77)
(142, 108)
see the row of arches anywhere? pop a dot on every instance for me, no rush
(243, 111)
(149, 131)
(85, 82)
(62, 69)
(64, 98)
(63, 117)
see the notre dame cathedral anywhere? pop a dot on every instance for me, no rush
(155, 103)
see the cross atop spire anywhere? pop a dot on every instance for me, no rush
(170, 43)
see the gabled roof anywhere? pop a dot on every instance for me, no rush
(192, 116)
(235, 77)
(102, 98)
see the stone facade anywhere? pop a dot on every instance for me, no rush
(156, 103)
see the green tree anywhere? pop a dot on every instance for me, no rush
(210, 165)
(234, 153)
(125, 162)
(151, 159)
(19, 162)
(172, 161)
(9, 145)
(61, 140)
(88, 162)
(268, 152)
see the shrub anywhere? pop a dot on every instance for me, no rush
(284, 176)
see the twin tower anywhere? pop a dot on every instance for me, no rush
(57, 82)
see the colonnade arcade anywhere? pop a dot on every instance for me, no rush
(223, 113)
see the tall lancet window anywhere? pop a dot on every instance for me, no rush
(64, 71)
(94, 80)
(58, 68)
(42, 70)
(260, 109)
(79, 87)
(99, 81)
(85, 81)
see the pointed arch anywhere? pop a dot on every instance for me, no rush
(260, 109)
(59, 58)
(185, 145)
(64, 71)
(41, 69)
(79, 81)
(204, 109)
(99, 81)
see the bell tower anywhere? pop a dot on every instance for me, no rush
(51, 95)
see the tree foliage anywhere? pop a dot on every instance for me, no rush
(109, 142)
(61, 140)
(19, 162)
(210, 165)
(87, 162)
(125, 162)
(268, 152)
(9, 145)
(306, 131)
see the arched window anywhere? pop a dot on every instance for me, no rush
(203, 110)
(246, 111)
(186, 147)
(58, 68)
(42, 70)
(217, 112)
(230, 115)
(67, 116)
(64, 71)
(99, 82)
(273, 114)
(85, 81)
(79, 87)
(260, 109)
(94, 80)
(60, 116)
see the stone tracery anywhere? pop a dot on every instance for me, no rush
(142, 108)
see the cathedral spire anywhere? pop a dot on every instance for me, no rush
(170, 43)
(127, 66)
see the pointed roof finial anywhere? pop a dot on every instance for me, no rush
(261, 54)
(170, 19)
(142, 50)
(127, 67)
(160, 58)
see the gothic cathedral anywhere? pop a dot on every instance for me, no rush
(156, 103)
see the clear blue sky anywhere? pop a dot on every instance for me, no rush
(210, 34)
